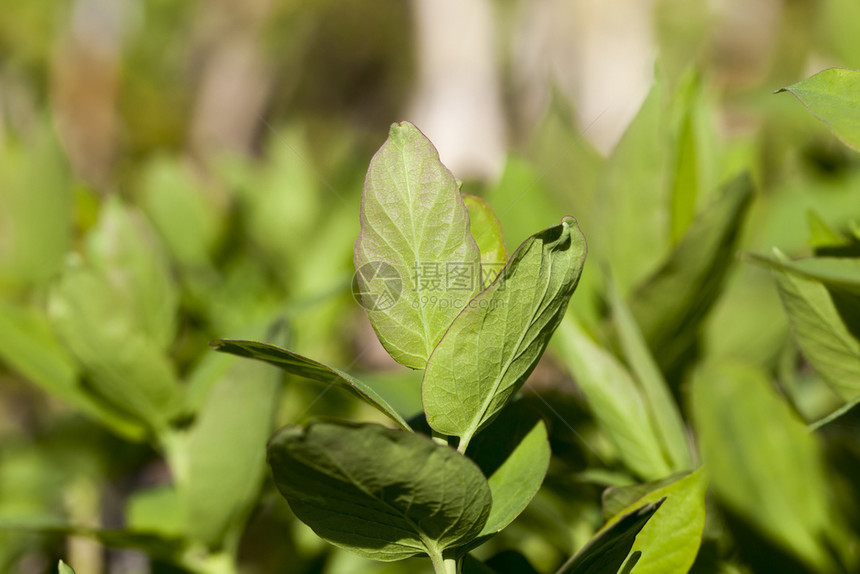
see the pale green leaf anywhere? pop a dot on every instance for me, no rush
(838, 272)
(633, 194)
(186, 217)
(819, 329)
(383, 494)
(821, 235)
(514, 455)
(158, 510)
(495, 343)
(487, 231)
(762, 461)
(225, 451)
(124, 251)
(29, 345)
(607, 551)
(670, 306)
(670, 541)
(310, 369)
(414, 223)
(662, 408)
(125, 368)
(63, 568)
(616, 402)
(833, 96)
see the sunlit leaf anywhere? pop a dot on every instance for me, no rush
(833, 96)
(670, 541)
(495, 343)
(415, 253)
(487, 231)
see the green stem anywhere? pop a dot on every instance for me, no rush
(442, 565)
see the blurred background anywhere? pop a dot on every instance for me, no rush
(172, 172)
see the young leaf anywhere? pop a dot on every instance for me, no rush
(615, 401)
(495, 343)
(607, 551)
(693, 274)
(415, 227)
(310, 369)
(671, 539)
(663, 409)
(820, 331)
(383, 494)
(763, 462)
(63, 568)
(514, 456)
(487, 231)
(833, 96)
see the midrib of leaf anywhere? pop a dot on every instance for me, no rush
(416, 243)
(476, 421)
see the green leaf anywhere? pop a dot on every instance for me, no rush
(818, 327)
(383, 494)
(308, 368)
(607, 551)
(833, 96)
(762, 461)
(615, 401)
(670, 541)
(514, 456)
(633, 194)
(487, 231)
(662, 408)
(124, 251)
(616, 499)
(838, 272)
(158, 510)
(224, 453)
(693, 274)
(126, 369)
(63, 568)
(495, 343)
(821, 235)
(176, 202)
(414, 224)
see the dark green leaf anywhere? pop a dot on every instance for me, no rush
(513, 453)
(609, 549)
(495, 343)
(384, 494)
(304, 367)
(415, 226)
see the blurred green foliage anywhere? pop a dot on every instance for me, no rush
(129, 240)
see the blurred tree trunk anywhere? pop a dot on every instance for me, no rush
(457, 101)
